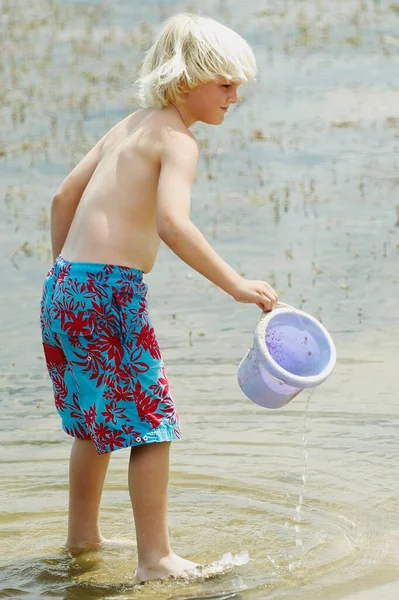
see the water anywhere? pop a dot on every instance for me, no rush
(299, 186)
(298, 539)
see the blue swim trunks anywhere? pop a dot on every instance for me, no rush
(108, 376)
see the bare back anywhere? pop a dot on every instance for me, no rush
(115, 222)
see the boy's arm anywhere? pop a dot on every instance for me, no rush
(179, 159)
(68, 195)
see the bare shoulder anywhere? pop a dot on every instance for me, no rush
(125, 125)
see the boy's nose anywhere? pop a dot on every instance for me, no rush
(232, 98)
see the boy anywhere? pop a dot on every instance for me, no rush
(131, 191)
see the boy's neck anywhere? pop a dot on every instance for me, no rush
(183, 113)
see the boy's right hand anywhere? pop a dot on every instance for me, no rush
(256, 292)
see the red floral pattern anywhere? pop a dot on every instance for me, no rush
(109, 380)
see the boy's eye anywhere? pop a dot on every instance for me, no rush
(226, 85)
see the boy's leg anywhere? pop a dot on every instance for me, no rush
(87, 471)
(148, 487)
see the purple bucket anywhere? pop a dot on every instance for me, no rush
(291, 351)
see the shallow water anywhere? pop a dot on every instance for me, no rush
(298, 186)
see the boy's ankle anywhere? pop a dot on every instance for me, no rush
(153, 559)
(82, 543)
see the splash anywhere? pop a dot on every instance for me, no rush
(227, 562)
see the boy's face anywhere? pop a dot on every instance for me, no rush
(209, 102)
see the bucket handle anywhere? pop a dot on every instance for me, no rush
(265, 316)
(284, 305)
(281, 305)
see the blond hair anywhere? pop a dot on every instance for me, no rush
(191, 49)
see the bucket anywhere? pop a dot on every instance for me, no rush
(291, 351)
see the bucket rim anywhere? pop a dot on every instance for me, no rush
(299, 381)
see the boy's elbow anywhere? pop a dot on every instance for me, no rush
(58, 200)
(168, 227)
(56, 203)
(165, 228)
(64, 201)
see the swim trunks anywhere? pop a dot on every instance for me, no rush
(108, 376)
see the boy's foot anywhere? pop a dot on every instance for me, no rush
(171, 565)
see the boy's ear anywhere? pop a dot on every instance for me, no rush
(182, 86)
